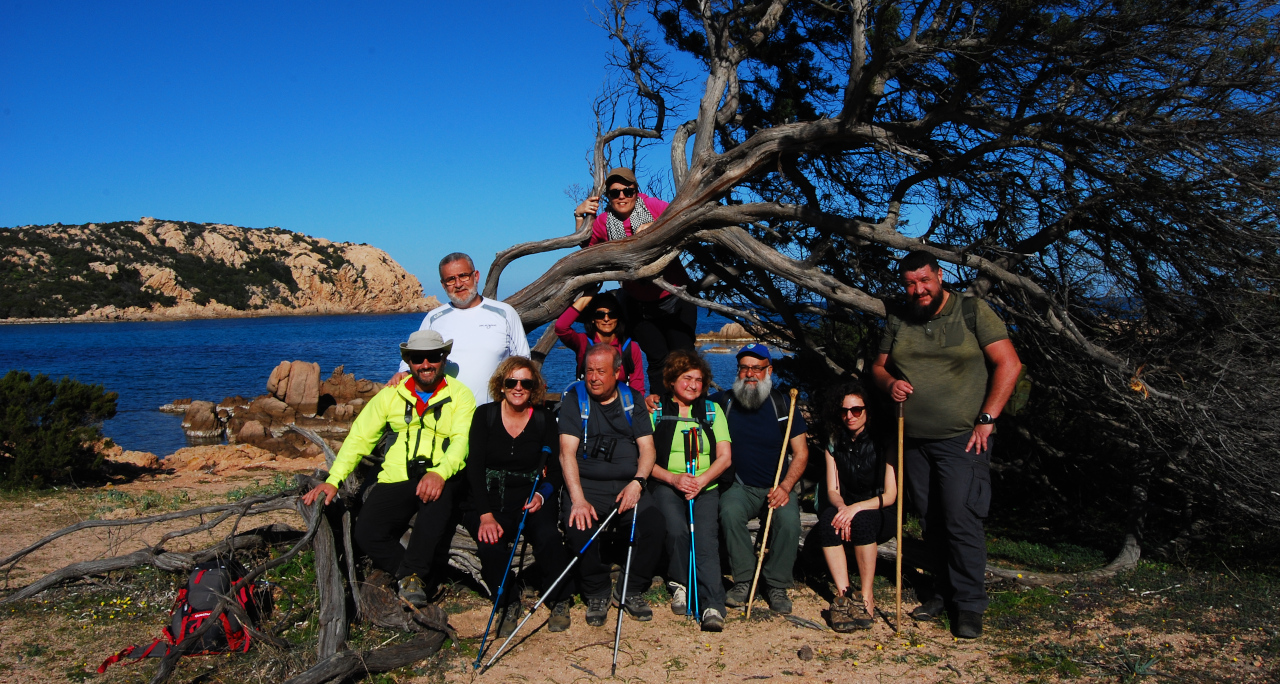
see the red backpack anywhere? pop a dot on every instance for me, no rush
(194, 605)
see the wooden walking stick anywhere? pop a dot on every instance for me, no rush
(897, 597)
(768, 519)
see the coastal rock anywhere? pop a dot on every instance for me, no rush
(201, 421)
(228, 459)
(730, 332)
(251, 432)
(278, 383)
(304, 387)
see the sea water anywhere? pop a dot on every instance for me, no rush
(149, 364)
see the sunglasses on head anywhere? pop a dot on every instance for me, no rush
(602, 314)
(527, 383)
(433, 356)
(615, 193)
(854, 411)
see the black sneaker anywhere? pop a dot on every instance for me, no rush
(597, 611)
(928, 611)
(712, 620)
(411, 590)
(737, 596)
(559, 621)
(510, 618)
(778, 601)
(968, 625)
(636, 606)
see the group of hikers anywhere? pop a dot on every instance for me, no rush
(651, 456)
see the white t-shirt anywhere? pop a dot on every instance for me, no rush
(483, 335)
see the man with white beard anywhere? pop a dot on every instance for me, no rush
(757, 419)
(484, 331)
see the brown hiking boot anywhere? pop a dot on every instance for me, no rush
(841, 613)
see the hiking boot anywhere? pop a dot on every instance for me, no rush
(712, 620)
(411, 590)
(636, 606)
(968, 625)
(559, 621)
(928, 611)
(597, 611)
(778, 601)
(737, 596)
(679, 598)
(862, 618)
(841, 612)
(510, 618)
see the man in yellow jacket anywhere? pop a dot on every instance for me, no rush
(430, 414)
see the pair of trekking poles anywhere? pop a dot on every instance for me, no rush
(551, 590)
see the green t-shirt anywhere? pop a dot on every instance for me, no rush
(945, 365)
(676, 459)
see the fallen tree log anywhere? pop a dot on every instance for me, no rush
(345, 664)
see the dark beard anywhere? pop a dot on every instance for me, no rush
(752, 399)
(922, 314)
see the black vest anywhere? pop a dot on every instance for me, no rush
(859, 465)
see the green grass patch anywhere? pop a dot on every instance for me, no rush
(153, 502)
(1032, 556)
(279, 483)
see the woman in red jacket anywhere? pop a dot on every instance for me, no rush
(604, 326)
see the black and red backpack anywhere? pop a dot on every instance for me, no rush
(194, 605)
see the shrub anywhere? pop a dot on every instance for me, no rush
(48, 430)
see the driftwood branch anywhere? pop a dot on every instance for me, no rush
(333, 602)
(345, 664)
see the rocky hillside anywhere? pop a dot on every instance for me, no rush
(154, 269)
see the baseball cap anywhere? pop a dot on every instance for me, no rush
(757, 349)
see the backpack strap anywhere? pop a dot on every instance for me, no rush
(584, 410)
(628, 401)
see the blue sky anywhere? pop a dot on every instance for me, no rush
(420, 128)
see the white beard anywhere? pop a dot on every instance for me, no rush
(459, 303)
(751, 397)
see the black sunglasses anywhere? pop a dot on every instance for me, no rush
(621, 192)
(602, 314)
(527, 383)
(434, 356)
(854, 411)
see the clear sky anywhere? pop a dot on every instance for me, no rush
(420, 128)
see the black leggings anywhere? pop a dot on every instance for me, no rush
(541, 530)
(658, 332)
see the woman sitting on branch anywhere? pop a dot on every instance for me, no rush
(861, 491)
(658, 320)
(512, 440)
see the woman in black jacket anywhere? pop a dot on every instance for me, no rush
(511, 440)
(861, 491)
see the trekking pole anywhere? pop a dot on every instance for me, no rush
(551, 590)
(691, 467)
(897, 599)
(626, 577)
(768, 520)
(502, 586)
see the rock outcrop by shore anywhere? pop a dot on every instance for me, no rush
(295, 396)
(168, 270)
(731, 332)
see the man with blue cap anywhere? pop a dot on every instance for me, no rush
(757, 418)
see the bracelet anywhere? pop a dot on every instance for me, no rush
(642, 480)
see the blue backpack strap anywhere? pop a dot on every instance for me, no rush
(628, 401)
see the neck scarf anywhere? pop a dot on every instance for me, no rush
(639, 216)
(420, 404)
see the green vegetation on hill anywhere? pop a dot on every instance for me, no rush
(45, 270)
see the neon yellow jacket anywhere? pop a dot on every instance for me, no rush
(447, 420)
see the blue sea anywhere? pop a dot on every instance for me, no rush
(152, 363)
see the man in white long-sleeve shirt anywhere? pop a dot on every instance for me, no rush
(484, 331)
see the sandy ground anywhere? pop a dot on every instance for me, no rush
(62, 635)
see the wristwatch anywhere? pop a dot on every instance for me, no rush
(642, 480)
(985, 419)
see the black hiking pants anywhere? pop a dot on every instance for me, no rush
(951, 490)
(385, 517)
(660, 328)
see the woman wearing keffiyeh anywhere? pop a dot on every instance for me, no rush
(659, 321)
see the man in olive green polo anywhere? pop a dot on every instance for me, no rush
(934, 359)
